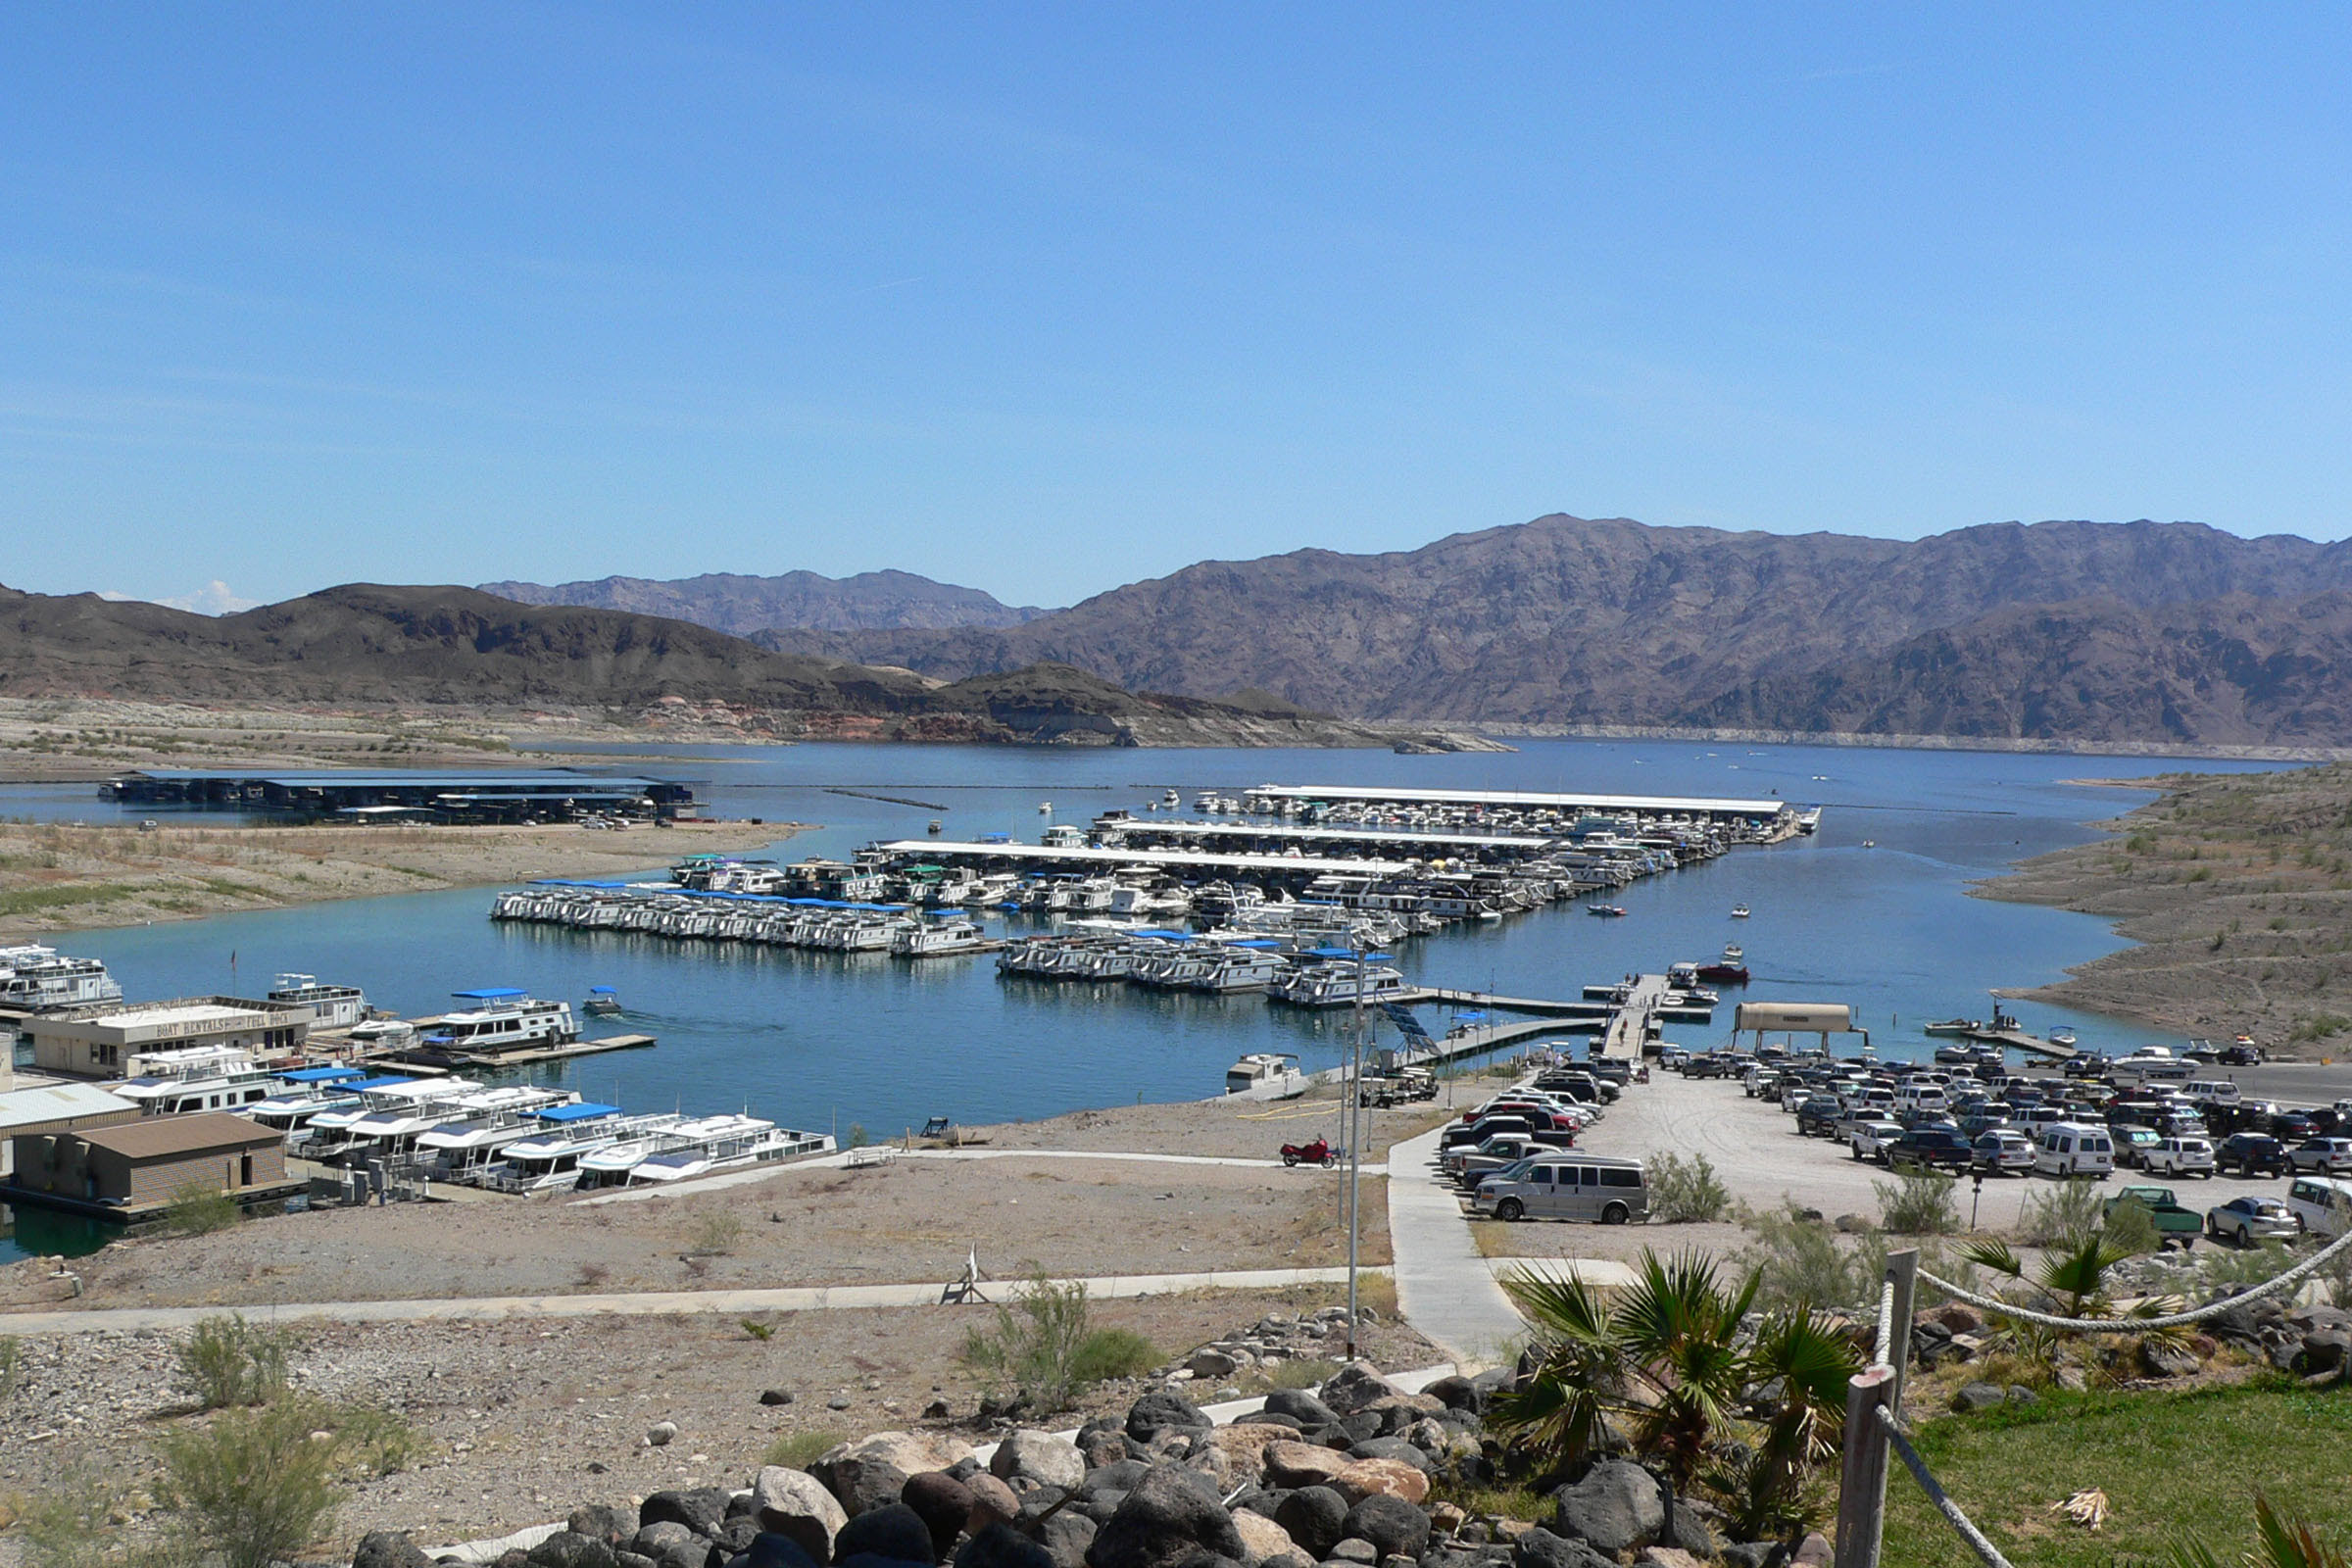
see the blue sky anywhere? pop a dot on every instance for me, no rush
(1046, 299)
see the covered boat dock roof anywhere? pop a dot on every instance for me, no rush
(1532, 799)
(1166, 859)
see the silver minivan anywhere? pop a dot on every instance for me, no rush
(1587, 1187)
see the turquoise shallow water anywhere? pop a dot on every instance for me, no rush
(825, 1040)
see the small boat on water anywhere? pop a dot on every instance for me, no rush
(1951, 1026)
(602, 1002)
(1729, 969)
(2062, 1036)
(1607, 911)
(1266, 1075)
(1738, 911)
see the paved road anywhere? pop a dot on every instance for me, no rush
(648, 1304)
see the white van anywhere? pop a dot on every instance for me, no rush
(1568, 1184)
(1918, 1095)
(2071, 1149)
(2211, 1090)
(2322, 1204)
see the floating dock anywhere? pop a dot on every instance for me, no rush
(1715, 809)
(530, 1057)
(952, 852)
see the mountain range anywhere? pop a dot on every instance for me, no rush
(730, 603)
(370, 645)
(2139, 632)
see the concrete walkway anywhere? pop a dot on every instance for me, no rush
(1444, 1288)
(650, 1304)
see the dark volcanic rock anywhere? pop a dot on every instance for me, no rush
(1159, 1409)
(1396, 1526)
(564, 1550)
(701, 1509)
(893, 1532)
(944, 1503)
(1002, 1547)
(389, 1548)
(1541, 1548)
(1315, 1518)
(1617, 1507)
(1165, 1519)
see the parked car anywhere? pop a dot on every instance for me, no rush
(2074, 1148)
(1496, 1153)
(1819, 1114)
(2002, 1151)
(1924, 1148)
(2294, 1127)
(2179, 1157)
(1474, 1133)
(2132, 1144)
(2172, 1219)
(1869, 1137)
(2240, 1054)
(2322, 1204)
(2253, 1154)
(2251, 1219)
(1586, 1187)
(2323, 1156)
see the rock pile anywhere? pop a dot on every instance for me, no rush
(1340, 1478)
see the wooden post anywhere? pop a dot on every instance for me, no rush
(1902, 1272)
(1862, 1479)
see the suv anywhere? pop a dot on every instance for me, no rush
(1820, 1113)
(1924, 1148)
(2323, 1156)
(1868, 1136)
(2253, 1154)
(2002, 1151)
(2179, 1157)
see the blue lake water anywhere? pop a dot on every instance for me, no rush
(829, 1040)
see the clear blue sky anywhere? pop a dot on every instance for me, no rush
(1048, 299)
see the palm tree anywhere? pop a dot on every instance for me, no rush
(2280, 1546)
(1668, 1365)
(2070, 1282)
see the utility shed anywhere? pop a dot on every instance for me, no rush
(57, 1108)
(141, 1165)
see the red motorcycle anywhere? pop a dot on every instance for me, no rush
(1319, 1153)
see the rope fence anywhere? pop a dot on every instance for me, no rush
(1959, 1521)
(2145, 1325)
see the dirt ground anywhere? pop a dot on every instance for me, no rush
(2236, 890)
(525, 1419)
(1245, 1131)
(57, 877)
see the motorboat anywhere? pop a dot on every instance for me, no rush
(1266, 1075)
(501, 1018)
(169, 1082)
(1608, 911)
(1335, 985)
(715, 1144)
(305, 1092)
(551, 1162)
(1738, 911)
(39, 979)
(602, 1002)
(1951, 1026)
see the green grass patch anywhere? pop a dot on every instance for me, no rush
(32, 901)
(2172, 1465)
(798, 1450)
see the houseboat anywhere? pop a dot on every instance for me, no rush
(39, 979)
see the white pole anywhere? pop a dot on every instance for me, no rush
(1355, 1112)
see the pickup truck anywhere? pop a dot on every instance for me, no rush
(1869, 1135)
(1468, 1166)
(2171, 1218)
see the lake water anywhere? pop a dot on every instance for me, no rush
(829, 1041)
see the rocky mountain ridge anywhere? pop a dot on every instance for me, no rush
(741, 604)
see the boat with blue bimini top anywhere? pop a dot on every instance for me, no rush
(382, 1102)
(602, 1002)
(304, 1093)
(551, 1161)
(501, 1018)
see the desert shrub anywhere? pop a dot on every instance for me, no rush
(798, 1450)
(1685, 1192)
(252, 1485)
(196, 1209)
(227, 1361)
(1107, 1354)
(2221, 1267)
(68, 1524)
(1035, 1343)
(713, 1232)
(1918, 1205)
(1311, 1373)
(12, 1353)
(1801, 1261)
(2064, 1215)
(371, 1440)
(2131, 1229)
(758, 1330)
(857, 1135)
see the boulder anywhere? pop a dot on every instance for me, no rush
(1972, 1396)
(1164, 1520)
(701, 1509)
(1302, 1407)
(1163, 1408)
(1270, 1418)
(389, 1548)
(1353, 1386)
(1302, 1464)
(1541, 1548)
(1814, 1551)
(1691, 1532)
(870, 1473)
(565, 1549)
(1400, 1450)
(2324, 1350)
(1668, 1557)
(1101, 1444)
(658, 1540)
(612, 1526)
(1066, 1537)
(993, 1501)
(943, 1502)
(1616, 1507)
(1396, 1526)
(737, 1535)
(796, 1505)
(625, 1558)
(2159, 1359)
(1314, 1518)
(662, 1433)
(1000, 1545)
(1458, 1394)
(1261, 1537)
(1755, 1554)
(2304, 1319)
(775, 1395)
(1363, 1478)
(1360, 1552)
(1208, 1363)
(1038, 1458)
(894, 1533)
